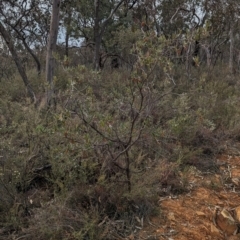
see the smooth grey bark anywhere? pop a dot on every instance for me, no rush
(8, 39)
(51, 47)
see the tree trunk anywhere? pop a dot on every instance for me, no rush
(195, 53)
(97, 53)
(208, 55)
(66, 44)
(231, 49)
(51, 47)
(38, 64)
(99, 31)
(97, 39)
(8, 39)
(68, 31)
(188, 55)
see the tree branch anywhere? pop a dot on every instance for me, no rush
(109, 17)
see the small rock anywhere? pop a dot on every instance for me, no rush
(171, 216)
(201, 214)
(214, 231)
(223, 196)
(131, 237)
(226, 223)
(235, 181)
(237, 213)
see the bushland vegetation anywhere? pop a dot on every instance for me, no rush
(128, 122)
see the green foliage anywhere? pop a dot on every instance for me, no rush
(95, 166)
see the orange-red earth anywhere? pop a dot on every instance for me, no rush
(191, 216)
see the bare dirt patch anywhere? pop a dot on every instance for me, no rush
(195, 215)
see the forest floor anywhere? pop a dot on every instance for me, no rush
(208, 211)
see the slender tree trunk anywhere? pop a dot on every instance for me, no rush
(231, 49)
(66, 44)
(8, 39)
(97, 39)
(38, 64)
(51, 47)
(157, 26)
(68, 31)
(208, 55)
(209, 58)
(195, 53)
(188, 55)
(66, 56)
(97, 53)
(99, 31)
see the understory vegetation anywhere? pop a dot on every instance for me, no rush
(106, 107)
(95, 166)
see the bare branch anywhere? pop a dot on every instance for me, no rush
(109, 17)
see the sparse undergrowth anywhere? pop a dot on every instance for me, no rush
(95, 167)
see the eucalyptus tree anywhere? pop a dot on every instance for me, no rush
(21, 16)
(209, 26)
(9, 19)
(221, 30)
(93, 21)
(51, 47)
(232, 13)
(101, 22)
